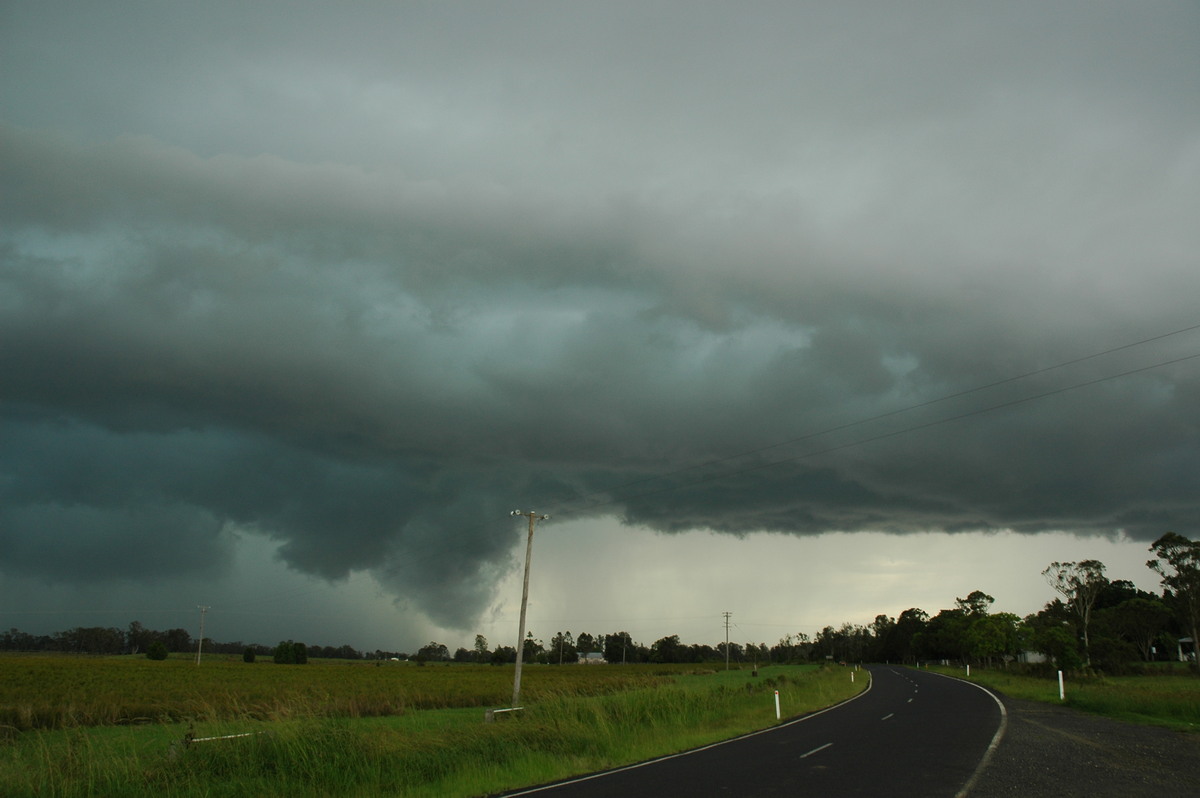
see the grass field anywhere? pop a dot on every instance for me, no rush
(1170, 699)
(65, 692)
(116, 726)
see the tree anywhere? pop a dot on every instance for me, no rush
(156, 650)
(289, 652)
(533, 651)
(944, 636)
(618, 647)
(990, 636)
(285, 653)
(902, 642)
(883, 628)
(791, 648)
(1056, 642)
(562, 649)
(976, 603)
(178, 640)
(139, 637)
(666, 649)
(1079, 583)
(1139, 621)
(248, 655)
(736, 652)
(1178, 565)
(481, 648)
(436, 652)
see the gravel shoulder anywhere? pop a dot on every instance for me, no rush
(1053, 750)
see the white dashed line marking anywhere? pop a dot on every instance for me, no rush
(815, 750)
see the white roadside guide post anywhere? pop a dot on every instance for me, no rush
(776, 705)
(1062, 693)
(533, 519)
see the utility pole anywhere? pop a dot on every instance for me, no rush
(533, 519)
(200, 642)
(727, 614)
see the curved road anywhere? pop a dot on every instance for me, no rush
(912, 734)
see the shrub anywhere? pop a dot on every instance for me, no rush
(248, 655)
(285, 653)
(289, 652)
(156, 650)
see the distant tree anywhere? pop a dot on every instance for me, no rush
(138, 637)
(178, 640)
(1080, 584)
(1059, 643)
(1052, 631)
(976, 603)
(16, 640)
(1138, 621)
(91, 640)
(562, 649)
(791, 648)
(481, 648)
(993, 636)
(618, 647)
(285, 653)
(433, 652)
(1178, 565)
(944, 636)
(300, 657)
(156, 650)
(248, 654)
(736, 652)
(534, 651)
(585, 643)
(504, 655)
(666, 649)
(1117, 592)
(902, 642)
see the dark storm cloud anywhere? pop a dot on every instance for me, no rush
(364, 292)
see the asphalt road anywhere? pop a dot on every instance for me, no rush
(913, 734)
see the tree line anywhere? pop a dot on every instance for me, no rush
(138, 639)
(1094, 622)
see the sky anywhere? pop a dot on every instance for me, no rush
(804, 312)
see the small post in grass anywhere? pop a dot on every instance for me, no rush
(776, 705)
(1062, 693)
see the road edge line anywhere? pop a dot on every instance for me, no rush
(996, 738)
(690, 751)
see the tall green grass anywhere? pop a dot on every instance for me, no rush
(1169, 699)
(63, 692)
(441, 753)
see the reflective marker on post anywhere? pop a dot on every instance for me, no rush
(776, 705)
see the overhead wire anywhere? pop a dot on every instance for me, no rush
(893, 433)
(879, 417)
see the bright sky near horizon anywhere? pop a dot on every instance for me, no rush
(298, 301)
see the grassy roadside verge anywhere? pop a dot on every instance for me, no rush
(448, 752)
(1170, 699)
